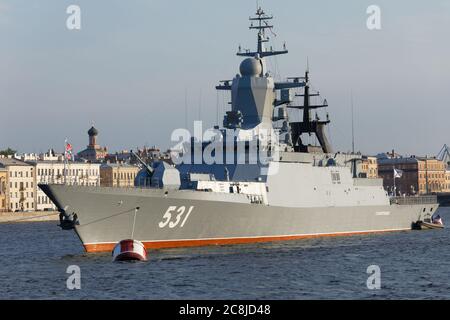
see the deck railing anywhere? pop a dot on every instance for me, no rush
(414, 200)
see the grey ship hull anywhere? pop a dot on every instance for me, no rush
(106, 216)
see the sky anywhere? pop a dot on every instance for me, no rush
(135, 67)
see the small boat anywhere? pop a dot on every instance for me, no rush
(428, 223)
(431, 225)
(129, 250)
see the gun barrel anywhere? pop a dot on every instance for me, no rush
(146, 166)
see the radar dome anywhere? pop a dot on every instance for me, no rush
(250, 67)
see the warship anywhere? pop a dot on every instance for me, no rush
(265, 183)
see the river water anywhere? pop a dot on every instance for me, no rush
(34, 258)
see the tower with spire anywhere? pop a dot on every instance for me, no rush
(93, 152)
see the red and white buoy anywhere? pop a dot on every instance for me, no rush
(129, 250)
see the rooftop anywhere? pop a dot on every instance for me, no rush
(403, 160)
(5, 162)
(34, 162)
(118, 165)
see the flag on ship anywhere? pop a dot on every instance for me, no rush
(398, 173)
(68, 154)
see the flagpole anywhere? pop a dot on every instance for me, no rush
(426, 174)
(65, 161)
(395, 188)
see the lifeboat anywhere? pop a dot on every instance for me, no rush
(129, 250)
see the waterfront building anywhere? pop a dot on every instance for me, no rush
(21, 186)
(447, 181)
(94, 152)
(123, 156)
(26, 156)
(3, 183)
(152, 154)
(118, 174)
(418, 175)
(50, 155)
(147, 155)
(431, 175)
(76, 173)
(369, 167)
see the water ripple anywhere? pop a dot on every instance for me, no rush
(414, 265)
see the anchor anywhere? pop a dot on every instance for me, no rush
(67, 221)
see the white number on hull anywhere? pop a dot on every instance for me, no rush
(175, 210)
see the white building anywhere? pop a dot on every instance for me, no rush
(50, 155)
(21, 186)
(77, 173)
(26, 156)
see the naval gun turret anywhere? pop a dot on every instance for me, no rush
(160, 175)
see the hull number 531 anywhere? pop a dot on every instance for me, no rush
(178, 213)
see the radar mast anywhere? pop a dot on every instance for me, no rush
(261, 19)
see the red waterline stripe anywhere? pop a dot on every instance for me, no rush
(105, 247)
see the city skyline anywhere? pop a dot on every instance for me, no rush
(122, 73)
